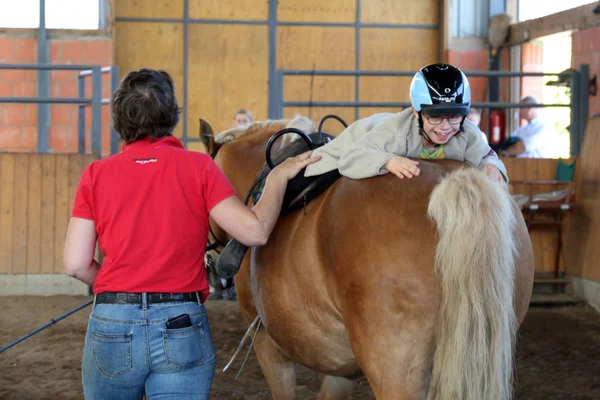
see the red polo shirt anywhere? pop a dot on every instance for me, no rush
(150, 204)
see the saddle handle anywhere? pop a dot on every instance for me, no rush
(325, 118)
(282, 132)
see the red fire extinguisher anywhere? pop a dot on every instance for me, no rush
(496, 127)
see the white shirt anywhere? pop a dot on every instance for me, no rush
(538, 137)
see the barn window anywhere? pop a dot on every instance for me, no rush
(59, 14)
(470, 18)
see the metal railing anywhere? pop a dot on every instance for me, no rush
(113, 71)
(579, 95)
(95, 102)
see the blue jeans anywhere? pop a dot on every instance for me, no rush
(128, 352)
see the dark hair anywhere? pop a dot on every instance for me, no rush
(145, 105)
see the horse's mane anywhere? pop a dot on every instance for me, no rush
(260, 131)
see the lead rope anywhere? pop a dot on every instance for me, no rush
(257, 323)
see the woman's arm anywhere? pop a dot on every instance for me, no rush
(78, 254)
(252, 227)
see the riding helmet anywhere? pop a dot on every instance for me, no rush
(440, 90)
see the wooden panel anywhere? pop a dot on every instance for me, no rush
(583, 239)
(397, 49)
(301, 47)
(35, 202)
(394, 89)
(48, 212)
(400, 11)
(573, 19)
(7, 183)
(317, 10)
(544, 242)
(152, 45)
(318, 88)
(61, 209)
(149, 9)
(230, 66)
(229, 9)
(196, 146)
(76, 165)
(34, 214)
(20, 215)
(308, 47)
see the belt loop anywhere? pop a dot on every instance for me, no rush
(94, 303)
(198, 298)
(144, 301)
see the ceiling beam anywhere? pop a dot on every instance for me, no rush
(584, 17)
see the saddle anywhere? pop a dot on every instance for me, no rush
(299, 192)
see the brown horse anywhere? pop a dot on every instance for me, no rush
(419, 285)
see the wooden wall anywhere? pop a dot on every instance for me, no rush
(36, 195)
(544, 242)
(228, 63)
(584, 234)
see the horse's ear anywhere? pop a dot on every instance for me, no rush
(207, 136)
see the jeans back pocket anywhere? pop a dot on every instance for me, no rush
(185, 347)
(112, 352)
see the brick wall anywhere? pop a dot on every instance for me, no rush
(586, 50)
(532, 60)
(18, 122)
(479, 60)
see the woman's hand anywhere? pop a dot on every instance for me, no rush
(293, 165)
(403, 167)
(493, 173)
(253, 227)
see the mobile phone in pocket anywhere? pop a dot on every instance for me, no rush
(178, 322)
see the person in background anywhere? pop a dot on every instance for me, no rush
(148, 208)
(242, 117)
(474, 115)
(535, 139)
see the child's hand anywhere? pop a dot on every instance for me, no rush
(402, 167)
(494, 173)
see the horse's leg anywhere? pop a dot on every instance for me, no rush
(396, 360)
(336, 388)
(276, 367)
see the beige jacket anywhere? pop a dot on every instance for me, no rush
(363, 149)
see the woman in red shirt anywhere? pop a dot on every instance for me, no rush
(147, 208)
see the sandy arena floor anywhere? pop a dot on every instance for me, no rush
(558, 354)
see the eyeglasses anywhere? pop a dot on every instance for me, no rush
(452, 119)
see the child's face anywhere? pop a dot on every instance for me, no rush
(441, 129)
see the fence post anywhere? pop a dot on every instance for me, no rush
(114, 84)
(584, 93)
(96, 110)
(279, 94)
(81, 113)
(43, 84)
(574, 129)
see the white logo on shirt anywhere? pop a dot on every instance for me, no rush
(145, 160)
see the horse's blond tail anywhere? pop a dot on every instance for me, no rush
(475, 336)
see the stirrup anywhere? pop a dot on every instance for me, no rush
(229, 261)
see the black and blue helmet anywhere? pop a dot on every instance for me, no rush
(439, 90)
